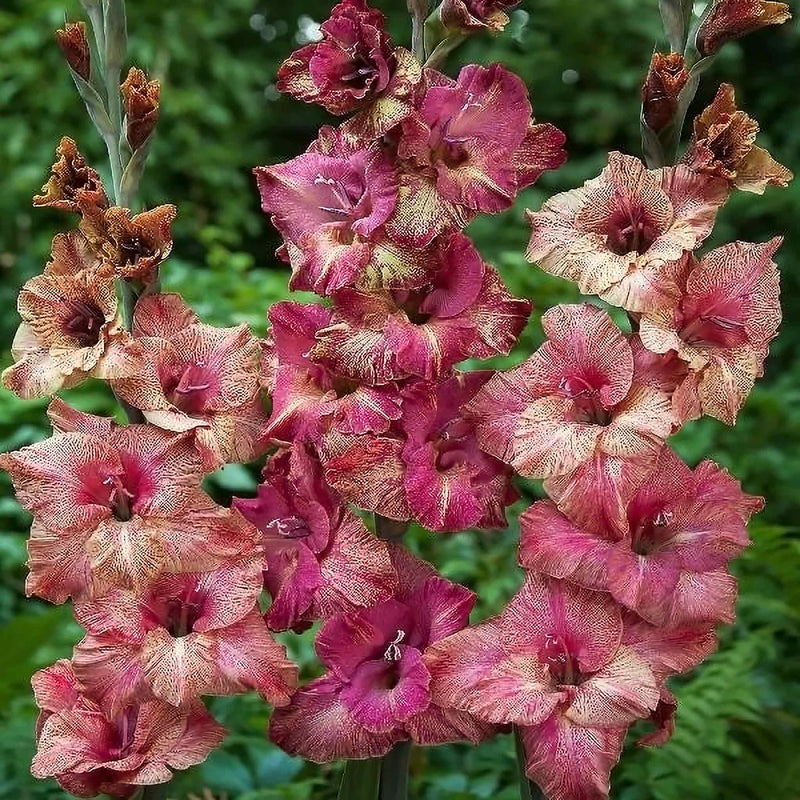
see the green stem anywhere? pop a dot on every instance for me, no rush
(361, 780)
(157, 792)
(442, 50)
(527, 790)
(394, 773)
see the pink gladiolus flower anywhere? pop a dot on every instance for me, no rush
(114, 506)
(429, 467)
(728, 315)
(469, 148)
(331, 204)
(182, 637)
(376, 691)
(577, 415)
(321, 559)
(89, 753)
(556, 664)
(476, 15)
(309, 398)
(684, 527)
(199, 378)
(354, 67)
(71, 329)
(465, 311)
(625, 235)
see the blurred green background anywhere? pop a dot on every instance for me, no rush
(739, 719)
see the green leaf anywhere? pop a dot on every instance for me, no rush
(676, 14)
(22, 638)
(116, 32)
(361, 780)
(94, 105)
(226, 773)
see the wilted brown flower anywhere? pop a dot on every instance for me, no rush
(141, 97)
(134, 245)
(69, 176)
(665, 80)
(75, 47)
(732, 19)
(723, 145)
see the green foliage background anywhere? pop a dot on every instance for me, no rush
(739, 720)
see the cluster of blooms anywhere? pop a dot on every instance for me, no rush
(165, 582)
(626, 563)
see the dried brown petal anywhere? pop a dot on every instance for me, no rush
(723, 145)
(141, 98)
(732, 19)
(71, 176)
(75, 47)
(665, 80)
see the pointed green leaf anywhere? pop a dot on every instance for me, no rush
(94, 105)
(677, 15)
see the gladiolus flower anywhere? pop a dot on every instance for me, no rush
(181, 637)
(71, 329)
(723, 145)
(458, 160)
(476, 15)
(665, 81)
(198, 378)
(89, 753)
(354, 67)
(330, 204)
(352, 63)
(134, 245)
(75, 47)
(141, 99)
(376, 691)
(732, 19)
(115, 506)
(722, 328)
(576, 415)
(683, 528)
(465, 311)
(310, 399)
(625, 235)
(555, 664)
(321, 560)
(71, 178)
(429, 466)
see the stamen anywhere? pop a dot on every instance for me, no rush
(393, 652)
(663, 518)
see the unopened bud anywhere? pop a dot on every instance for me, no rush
(732, 19)
(665, 80)
(471, 16)
(141, 98)
(75, 47)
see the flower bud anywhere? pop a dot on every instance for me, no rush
(470, 16)
(732, 19)
(141, 98)
(419, 8)
(75, 47)
(665, 80)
